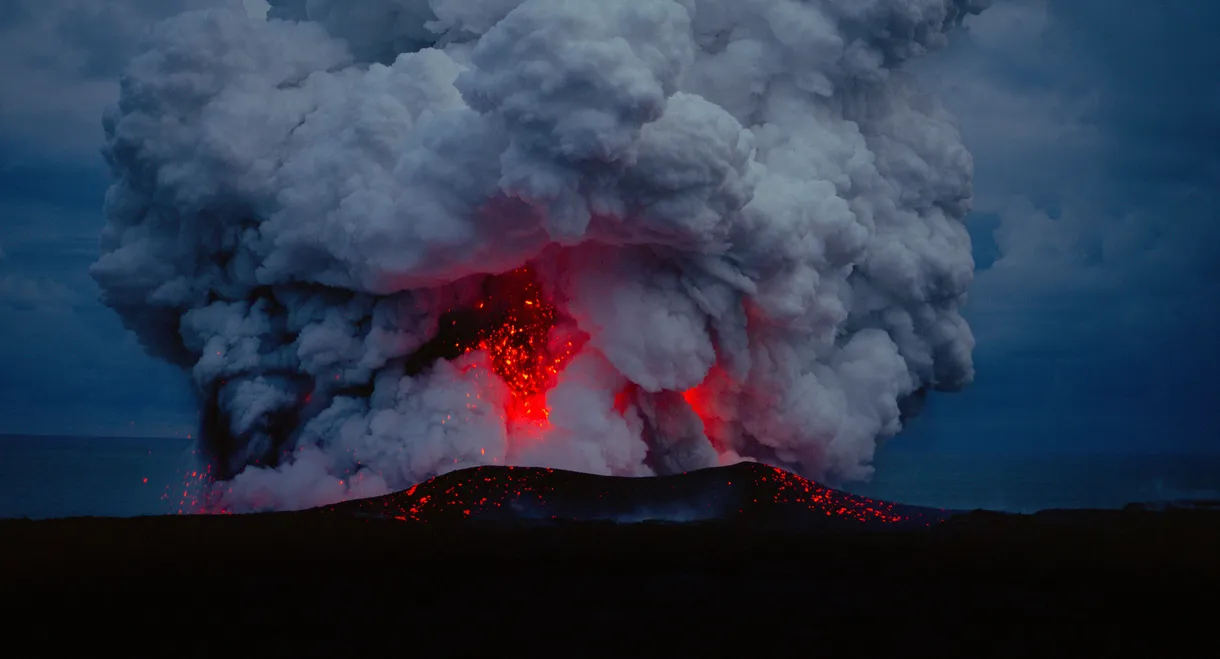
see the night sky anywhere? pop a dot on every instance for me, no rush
(1097, 154)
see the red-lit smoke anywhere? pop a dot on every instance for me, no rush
(516, 328)
(346, 178)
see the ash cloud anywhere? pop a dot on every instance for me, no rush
(746, 200)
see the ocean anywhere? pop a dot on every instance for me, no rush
(43, 477)
(1029, 483)
(46, 477)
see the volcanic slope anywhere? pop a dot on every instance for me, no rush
(746, 492)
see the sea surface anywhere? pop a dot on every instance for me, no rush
(43, 477)
(1029, 483)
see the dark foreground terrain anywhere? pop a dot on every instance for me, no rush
(527, 562)
(745, 493)
(1134, 583)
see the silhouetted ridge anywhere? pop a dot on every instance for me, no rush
(742, 492)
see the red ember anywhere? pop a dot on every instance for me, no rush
(724, 493)
(516, 333)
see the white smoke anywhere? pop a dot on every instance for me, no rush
(746, 196)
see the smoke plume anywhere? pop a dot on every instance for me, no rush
(394, 238)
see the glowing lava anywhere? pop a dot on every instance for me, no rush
(198, 495)
(516, 329)
(701, 399)
(740, 492)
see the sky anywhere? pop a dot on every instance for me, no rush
(1095, 228)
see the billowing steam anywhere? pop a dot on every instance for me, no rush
(394, 238)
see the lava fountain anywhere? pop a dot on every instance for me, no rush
(516, 325)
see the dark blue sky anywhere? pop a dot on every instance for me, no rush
(1097, 152)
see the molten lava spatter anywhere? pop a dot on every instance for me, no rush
(745, 492)
(198, 494)
(515, 326)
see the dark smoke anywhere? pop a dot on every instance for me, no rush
(744, 210)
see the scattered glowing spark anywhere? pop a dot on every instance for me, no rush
(517, 323)
(485, 492)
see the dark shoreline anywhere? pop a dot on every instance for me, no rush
(311, 584)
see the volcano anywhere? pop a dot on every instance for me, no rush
(745, 492)
(635, 239)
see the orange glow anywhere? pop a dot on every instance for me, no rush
(703, 399)
(197, 496)
(517, 344)
(621, 400)
(694, 400)
(484, 492)
(696, 397)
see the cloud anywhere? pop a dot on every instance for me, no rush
(256, 8)
(1144, 210)
(20, 292)
(45, 251)
(1094, 135)
(1025, 106)
(59, 66)
(748, 194)
(1009, 27)
(1081, 193)
(70, 366)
